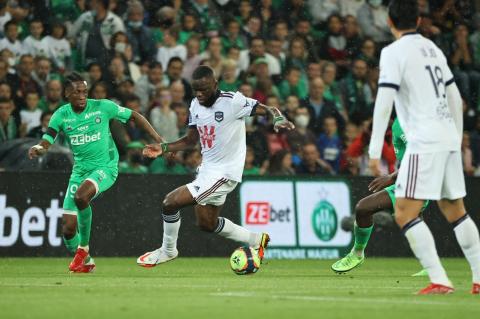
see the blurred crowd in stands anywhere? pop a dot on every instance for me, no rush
(317, 60)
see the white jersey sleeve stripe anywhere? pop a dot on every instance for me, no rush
(452, 80)
(389, 85)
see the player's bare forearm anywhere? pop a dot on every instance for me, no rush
(279, 120)
(145, 126)
(39, 149)
(187, 142)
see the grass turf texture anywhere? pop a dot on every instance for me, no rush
(206, 288)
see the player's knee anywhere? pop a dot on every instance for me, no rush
(169, 204)
(207, 224)
(81, 201)
(361, 209)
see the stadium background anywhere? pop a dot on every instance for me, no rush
(316, 60)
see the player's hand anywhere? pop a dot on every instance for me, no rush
(282, 123)
(374, 165)
(380, 183)
(36, 151)
(152, 150)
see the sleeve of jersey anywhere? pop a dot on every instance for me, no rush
(192, 122)
(118, 112)
(54, 126)
(381, 117)
(243, 106)
(390, 74)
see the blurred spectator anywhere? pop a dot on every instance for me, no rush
(213, 55)
(181, 110)
(147, 84)
(5, 91)
(5, 16)
(38, 131)
(94, 73)
(164, 20)
(256, 139)
(33, 43)
(368, 52)
(4, 75)
(475, 142)
(250, 167)
(303, 29)
(322, 10)
(134, 162)
(357, 93)
(281, 163)
(162, 117)
(350, 7)
(116, 74)
(332, 89)
(177, 91)
(30, 114)
(429, 30)
(206, 12)
(281, 32)
(333, 46)
(8, 127)
(319, 107)
(93, 30)
(170, 48)
(99, 90)
(192, 160)
(301, 135)
(253, 28)
(292, 103)
(229, 80)
(244, 11)
(311, 162)
(190, 27)
(467, 155)
(11, 41)
(329, 143)
(53, 96)
(125, 88)
(139, 35)
(257, 50)
(167, 165)
(297, 55)
(42, 72)
(232, 37)
(263, 88)
(23, 82)
(274, 47)
(58, 48)
(463, 65)
(174, 73)
(294, 10)
(193, 58)
(351, 32)
(292, 84)
(448, 13)
(372, 18)
(132, 102)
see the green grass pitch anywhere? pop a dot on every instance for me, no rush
(198, 288)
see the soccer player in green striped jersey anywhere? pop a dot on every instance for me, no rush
(382, 199)
(85, 123)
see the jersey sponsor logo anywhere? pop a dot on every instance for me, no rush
(68, 120)
(219, 116)
(121, 109)
(98, 120)
(207, 135)
(262, 213)
(83, 128)
(81, 139)
(89, 115)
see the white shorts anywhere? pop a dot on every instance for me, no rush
(431, 176)
(211, 190)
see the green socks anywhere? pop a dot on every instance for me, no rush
(85, 225)
(72, 243)
(362, 235)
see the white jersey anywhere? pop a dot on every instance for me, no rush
(418, 70)
(222, 134)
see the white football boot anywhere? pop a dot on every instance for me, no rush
(153, 258)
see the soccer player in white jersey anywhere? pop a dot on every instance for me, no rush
(414, 74)
(217, 119)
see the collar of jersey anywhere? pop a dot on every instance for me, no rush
(213, 99)
(410, 33)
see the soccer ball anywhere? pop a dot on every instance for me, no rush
(245, 261)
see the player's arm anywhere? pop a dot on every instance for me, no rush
(381, 182)
(145, 126)
(381, 117)
(187, 142)
(54, 127)
(39, 149)
(279, 120)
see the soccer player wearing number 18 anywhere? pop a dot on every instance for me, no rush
(414, 74)
(217, 120)
(85, 123)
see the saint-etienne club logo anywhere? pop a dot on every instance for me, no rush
(98, 120)
(324, 220)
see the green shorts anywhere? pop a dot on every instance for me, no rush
(391, 193)
(102, 178)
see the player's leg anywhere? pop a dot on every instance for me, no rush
(421, 176)
(71, 238)
(171, 205)
(364, 211)
(454, 211)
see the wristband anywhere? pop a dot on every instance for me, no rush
(278, 119)
(164, 147)
(38, 147)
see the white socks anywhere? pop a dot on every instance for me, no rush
(171, 226)
(228, 229)
(423, 246)
(468, 238)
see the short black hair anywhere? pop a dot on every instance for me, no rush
(154, 64)
(403, 13)
(174, 59)
(105, 3)
(203, 71)
(72, 78)
(9, 23)
(130, 98)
